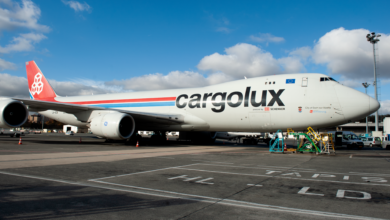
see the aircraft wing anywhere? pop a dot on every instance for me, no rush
(38, 105)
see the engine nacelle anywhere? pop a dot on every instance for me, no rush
(115, 126)
(13, 113)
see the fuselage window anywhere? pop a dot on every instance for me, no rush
(266, 83)
(274, 82)
(269, 83)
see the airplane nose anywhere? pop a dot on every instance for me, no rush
(374, 105)
(355, 104)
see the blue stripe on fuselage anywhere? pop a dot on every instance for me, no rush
(139, 104)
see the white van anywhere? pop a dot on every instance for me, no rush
(346, 139)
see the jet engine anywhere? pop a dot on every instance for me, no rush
(13, 113)
(114, 126)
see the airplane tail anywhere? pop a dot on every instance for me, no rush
(38, 86)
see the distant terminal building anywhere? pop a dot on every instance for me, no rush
(357, 128)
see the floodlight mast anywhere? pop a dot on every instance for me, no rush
(365, 86)
(373, 39)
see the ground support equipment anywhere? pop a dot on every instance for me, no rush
(276, 144)
(327, 143)
(306, 144)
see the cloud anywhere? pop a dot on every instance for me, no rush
(266, 37)
(385, 107)
(303, 52)
(22, 43)
(223, 29)
(250, 61)
(77, 6)
(75, 89)
(14, 15)
(15, 86)
(173, 80)
(347, 53)
(6, 65)
(220, 23)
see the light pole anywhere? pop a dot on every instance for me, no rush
(365, 86)
(373, 39)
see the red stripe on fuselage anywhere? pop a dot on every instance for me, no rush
(123, 101)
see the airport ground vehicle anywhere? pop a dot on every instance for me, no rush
(371, 141)
(386, 145)
(11, 132)
(346, 139)
(69, 133)
(246, 137)
(260, 104)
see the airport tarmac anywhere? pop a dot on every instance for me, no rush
(55, 176)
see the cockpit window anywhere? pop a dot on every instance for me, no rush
(322, 79)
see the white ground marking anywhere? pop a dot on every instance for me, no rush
(283, 177)
(204, 181)
(254, 185)
(290, 174)
(212, 161)
(228, 202)
(374, 179)
(370, 174)
(193, 178)
(346, 178)
(322, 175)
(285, 167)
(166, 157)
(177, 177)
(350, 156)
(341, 194)
(304, 192)
(350, 173)
(142, 172)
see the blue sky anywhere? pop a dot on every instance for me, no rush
(117, 45)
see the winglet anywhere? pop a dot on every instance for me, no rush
(38, 86)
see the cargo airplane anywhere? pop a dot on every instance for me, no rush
(260, 104)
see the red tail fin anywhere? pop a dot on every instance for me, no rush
(38, 86)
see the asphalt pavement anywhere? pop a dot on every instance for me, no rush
(83, 177)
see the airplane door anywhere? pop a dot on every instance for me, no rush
(304, 81)
(260, 121)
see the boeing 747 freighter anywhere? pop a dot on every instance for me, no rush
(262, 104)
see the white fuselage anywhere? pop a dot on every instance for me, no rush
(251, 105)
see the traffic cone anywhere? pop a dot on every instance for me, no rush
(137, 144)
(80, 140)
(20, 140)
(285, 147)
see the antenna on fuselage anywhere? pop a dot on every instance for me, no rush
(245, 77)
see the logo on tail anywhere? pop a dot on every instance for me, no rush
(37, 86)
